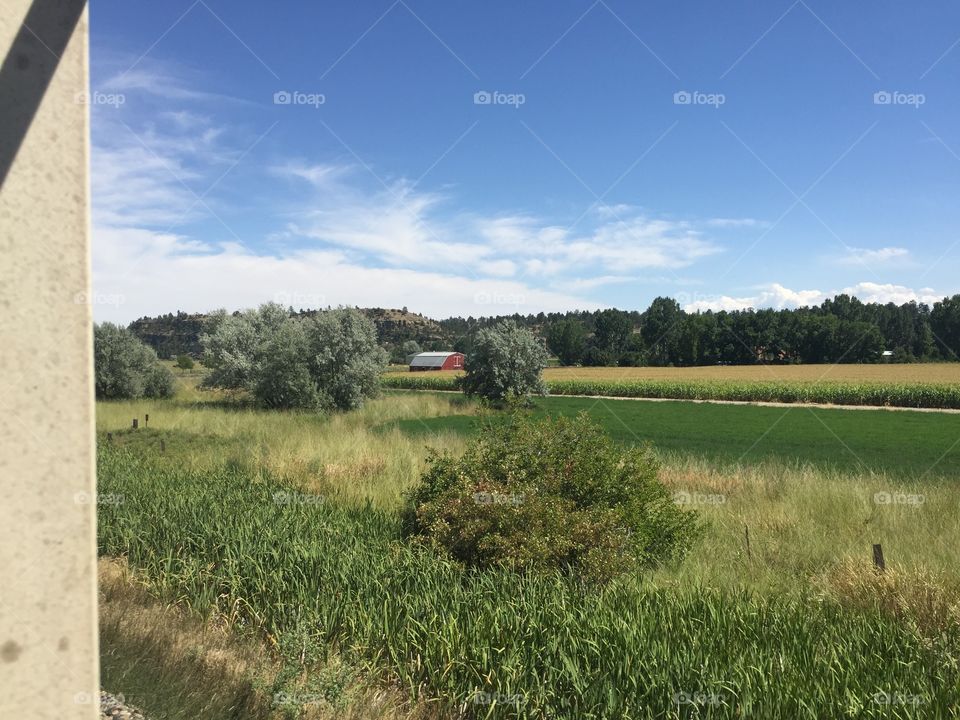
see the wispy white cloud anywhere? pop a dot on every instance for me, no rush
(339, 233)
(879, 256)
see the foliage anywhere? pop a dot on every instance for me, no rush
(664, 334)
(894, 394)
(125, 368)
(567, 340)
(506, 361)
(945, 326)
(546, 495)
(218, 541)
(185, 362)
(324, 360)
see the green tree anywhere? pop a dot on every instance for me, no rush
(328, 360)
(126, 368)
(567, 340)
(506, 361)
(945, 326)
(661, 330)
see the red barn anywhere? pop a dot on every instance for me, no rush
(437, 361)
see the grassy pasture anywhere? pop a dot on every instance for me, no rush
(801, 627)
(317, 576)
(903, 445)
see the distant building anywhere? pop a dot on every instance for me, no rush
(436, 361)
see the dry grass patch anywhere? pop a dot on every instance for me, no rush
(927, 599)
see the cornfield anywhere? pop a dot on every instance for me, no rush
(312, 576)
(907, 395)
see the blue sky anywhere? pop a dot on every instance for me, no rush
(487, 158)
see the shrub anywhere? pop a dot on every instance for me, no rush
(554, 494)
(125, 368)
(506, 362)
(326, 360)
(184, 362)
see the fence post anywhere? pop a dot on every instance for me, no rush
(878, 558)
(135, 423)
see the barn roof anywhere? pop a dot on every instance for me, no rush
(430, 359)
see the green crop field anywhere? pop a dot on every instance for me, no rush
(901, 444)
(810, 391)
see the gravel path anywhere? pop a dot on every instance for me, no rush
(112, 706)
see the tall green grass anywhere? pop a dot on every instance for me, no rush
(939, 396)
(317, 575)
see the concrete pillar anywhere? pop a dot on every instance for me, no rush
(48, 622)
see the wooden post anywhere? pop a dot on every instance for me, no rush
(163, 446)
(878, 558)
(746, 535)
(135, 423)
(146, 419)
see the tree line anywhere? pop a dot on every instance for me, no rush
(840, 330)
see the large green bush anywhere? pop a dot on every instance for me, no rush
(326, 360)
(125, 368)
(505, 362)
(553, 494)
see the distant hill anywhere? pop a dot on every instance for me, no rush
(171, 335)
